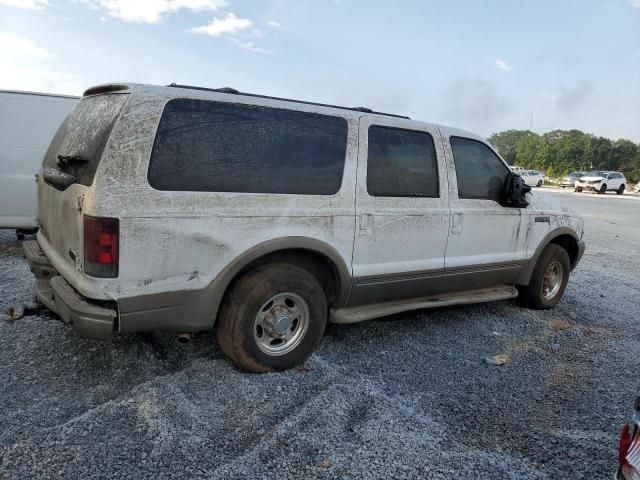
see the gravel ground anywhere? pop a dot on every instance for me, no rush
(403, 397)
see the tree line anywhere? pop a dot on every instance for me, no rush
(562, 151)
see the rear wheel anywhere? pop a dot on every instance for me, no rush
(620, 190)
(272, 318)
(549, 279)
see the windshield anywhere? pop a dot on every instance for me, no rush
(78, 144)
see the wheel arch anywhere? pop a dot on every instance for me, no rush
(319, 258)
(564, 237)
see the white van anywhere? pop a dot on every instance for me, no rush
(28, 121)
(186, 209)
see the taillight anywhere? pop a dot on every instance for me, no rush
(625, 443)
(101, 239)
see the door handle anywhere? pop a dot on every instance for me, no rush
(456, 223)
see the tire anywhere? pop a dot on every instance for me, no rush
(577, 189)
(620, 190)
(603, 189)
(251, 332)
(539, 183)
(533, 295)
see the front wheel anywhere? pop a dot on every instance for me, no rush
(549, 279)
(603, 189)
(272, 318)
(578, 189)
(620, 190)
(539, 183)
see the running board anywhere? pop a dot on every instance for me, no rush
(376, 310)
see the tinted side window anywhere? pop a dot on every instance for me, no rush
(223, 147)
(481, 174)
(401, 163)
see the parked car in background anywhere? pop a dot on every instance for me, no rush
(629, 448)
(28, 121)
(601, 181)
(571, 179)
(637, 189)
(533, 178)
(186, 209)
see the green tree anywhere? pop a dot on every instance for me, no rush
(507, 143)
(561, 151)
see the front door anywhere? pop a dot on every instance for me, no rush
(488, 242)
(402, 211)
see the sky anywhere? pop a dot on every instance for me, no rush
(485, 66)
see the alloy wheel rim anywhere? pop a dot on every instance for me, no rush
(552, 280)
(281, 323)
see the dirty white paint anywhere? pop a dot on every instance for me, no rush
(182, 240)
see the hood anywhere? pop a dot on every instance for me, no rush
(590, 179)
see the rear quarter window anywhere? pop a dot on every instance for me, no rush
(225, 147)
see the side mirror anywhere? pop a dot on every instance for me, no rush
(514, 192)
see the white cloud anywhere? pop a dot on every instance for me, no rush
(229, 25)
(24, 66)
(274, 24)
(249, 45)
(17, 46)
(240, 31)
(35, 78)
(151, 11)
(502, 65)
(26, 4)
(635, 3)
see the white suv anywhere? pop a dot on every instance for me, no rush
(188, 209)
(602, 182)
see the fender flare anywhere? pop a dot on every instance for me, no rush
(525, 275)
(220, 284)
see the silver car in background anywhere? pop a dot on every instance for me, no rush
(571, 179)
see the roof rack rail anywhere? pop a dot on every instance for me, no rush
(233, 91)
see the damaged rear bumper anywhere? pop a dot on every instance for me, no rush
(87, 318)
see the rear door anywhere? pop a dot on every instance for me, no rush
(67, 174)
(614, 181)
(487, 244)
(402, 212)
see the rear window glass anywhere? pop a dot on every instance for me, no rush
(83, 135)
(224, 147)
(401, 163)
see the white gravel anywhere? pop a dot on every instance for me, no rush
(404, 397)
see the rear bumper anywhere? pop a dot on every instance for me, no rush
(88, 319)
